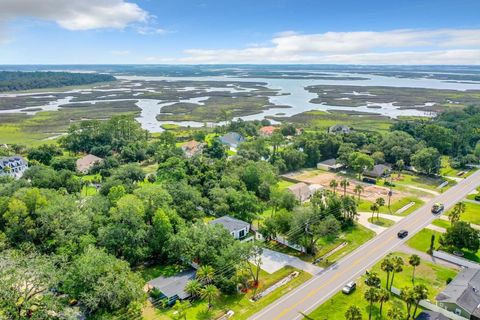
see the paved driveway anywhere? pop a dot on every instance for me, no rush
(273, 261)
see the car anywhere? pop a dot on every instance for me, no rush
(402, 234)
(349, 287)
(437, 208)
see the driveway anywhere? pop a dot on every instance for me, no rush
(273, 261)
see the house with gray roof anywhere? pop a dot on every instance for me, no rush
(462, 294)
(13, 166)
(431, 315)
(238, 229)
(172, 288)
(339, 129)
(301, 191)
(232, 139)
(378, 171)
(330, 165)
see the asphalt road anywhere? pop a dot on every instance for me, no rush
(321, 287)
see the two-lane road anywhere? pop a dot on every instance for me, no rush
(322, 286)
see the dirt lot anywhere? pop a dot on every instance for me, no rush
(323, 178)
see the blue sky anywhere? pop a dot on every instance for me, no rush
(240, 31)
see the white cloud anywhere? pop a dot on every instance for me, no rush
(441, 46)
(76, 14)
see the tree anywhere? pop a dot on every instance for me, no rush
(414, 261)
(205, 274)
(400, 166)
(397, 267)
(180, 308)
(371, 295)
(344, 183)
(387, 266)
(193, 288)
(334, 185)
(360, 162)
(353, 313)
(358, 190)
(420, 292)
(372, 280)
(427, 160)
(461, 235)
(383, 296)
(374, 207)
(380, 203)
(457, 211)
(210, 292)
(395, 314)
(408, 295)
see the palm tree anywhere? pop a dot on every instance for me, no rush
(374, 207)
(193, 288)
(353, 313)
(414, 261)
(210, 292)
(397, 267)
(395, 314)
(206, 274)
(380, 203)
(371, 295)
(373, 280)
(408, 296)
(420, 292)
(383, 296)
(358, 190)
(334, 185)
(180, 308)
(344, 184)
(387, 266)
(400, 165)
(457, 212)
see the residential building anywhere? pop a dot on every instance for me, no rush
(301, 191)
(172, 288)
(192, 148)
(232, 139)
(330, 165)
(462, 294)
(431, 315)
(378, 171)
(85, 163)
(13, 166)
(267, 131)
(339, 129)
(238, 229)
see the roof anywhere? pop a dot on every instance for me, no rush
(232, 139)
(431, 315)
(267, 130)
(231, 224)
(300, 190)
(331, 163)
(339, 128)
(463, 291)
(192, 147)
(12, 162)
(87, 162)
(377, 171)
(175, 285)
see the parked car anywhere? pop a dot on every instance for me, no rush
(349, 287)
(402, 234)
(437, 208)
(369, 180)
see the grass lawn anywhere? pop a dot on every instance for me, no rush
(446, 169)
(471, 214)
(283, 184)
(433, 276)
(239, 303)
(420, 181)
(382, 222)
(364, 206)
(421, 241)
(441, 223)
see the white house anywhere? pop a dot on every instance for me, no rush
(13, 166)
(238, 229)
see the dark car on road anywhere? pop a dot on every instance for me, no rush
(402, 234)
(437, 208)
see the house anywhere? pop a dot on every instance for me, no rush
(301, 191)
(431, 315)
(267, 131)
(232, 139)
(192, 148)
(339, 129)
(330, 165)
(462, 294)
(172, 288)
(238, 229)
(13, 166)
(85, 163)
(378, 171)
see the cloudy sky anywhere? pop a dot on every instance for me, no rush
(240, 31)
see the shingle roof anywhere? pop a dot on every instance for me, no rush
(463, 291)
(331, 163)
(431, 315)
(300, 190)
(12, 162)
(232, 138)
(377, 171)
(87, 162)
(175, 285)
(231, 224)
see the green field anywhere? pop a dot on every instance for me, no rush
(432, 275)
(421, 241)
(471, 214)
(365, 205)
(239, 303)
(382, 222)
(441, 223)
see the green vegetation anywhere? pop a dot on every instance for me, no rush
(471, 214)
(441, 223)
(433, 276)
(382, 222)
(422, 240)
(16, 80)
